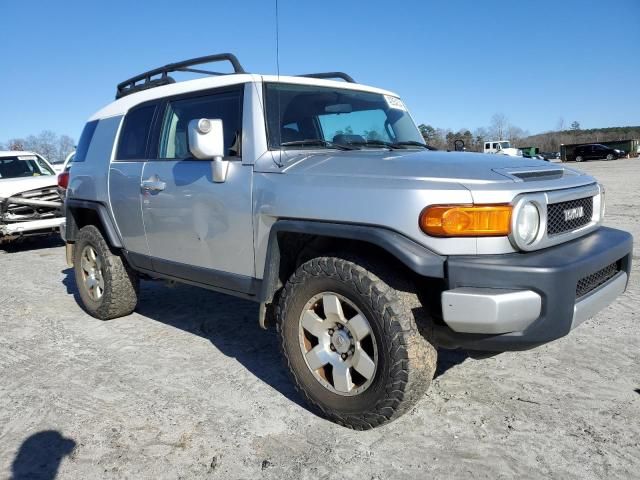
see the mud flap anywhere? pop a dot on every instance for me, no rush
(69, 253)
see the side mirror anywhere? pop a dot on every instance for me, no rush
(206, 142)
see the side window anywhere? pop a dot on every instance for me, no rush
(226, 106)
(494, 146)
(135, 133)
(487, 146)
(85, 141)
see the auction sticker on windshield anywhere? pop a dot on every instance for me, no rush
(395, 102)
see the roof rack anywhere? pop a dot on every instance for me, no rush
(329, 75)
(129, 86)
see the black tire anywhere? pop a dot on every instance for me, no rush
(578, 158)
(121, 284)
(406, 359)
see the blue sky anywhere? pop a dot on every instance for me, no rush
(455, 63)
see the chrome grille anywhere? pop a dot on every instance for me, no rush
(557, 222)
(12, 212)
(593, 281)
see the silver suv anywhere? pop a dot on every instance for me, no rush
(317, 198)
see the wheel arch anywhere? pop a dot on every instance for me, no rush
(292, 242)
(80, 213)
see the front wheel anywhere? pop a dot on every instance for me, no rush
(351, 341)
(579, 158)
(108, 287)
(610, 156)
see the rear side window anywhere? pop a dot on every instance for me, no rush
(134, 136)
(226, 106)
(85, 141)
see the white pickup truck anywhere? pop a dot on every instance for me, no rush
(501, 147)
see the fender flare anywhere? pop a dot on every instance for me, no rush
(416, 257)
(109, 229)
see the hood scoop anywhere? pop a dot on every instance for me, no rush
(529, 174)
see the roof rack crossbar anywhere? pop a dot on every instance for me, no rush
(329, 75)
(131, 85)
(197, 70)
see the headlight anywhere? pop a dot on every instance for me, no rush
(527, 223)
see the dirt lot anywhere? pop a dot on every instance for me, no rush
(189, 386)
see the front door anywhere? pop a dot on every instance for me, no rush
(195, 228)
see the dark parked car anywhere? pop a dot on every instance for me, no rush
(550, 155)
(596, 151)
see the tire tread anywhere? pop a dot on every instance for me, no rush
(413, 356)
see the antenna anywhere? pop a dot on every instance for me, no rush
(279, 162)
(277, 42)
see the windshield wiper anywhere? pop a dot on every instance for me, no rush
(413, 143)
(317, 142)
(376, 143)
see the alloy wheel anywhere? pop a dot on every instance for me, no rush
(338, 344)
(92, 275)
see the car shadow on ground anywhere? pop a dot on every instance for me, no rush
(40, 455)
(32, 243)
(231, 325)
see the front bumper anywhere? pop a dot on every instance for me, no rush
(522, 300)
(34, 226)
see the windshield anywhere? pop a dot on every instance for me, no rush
(299, 116)
(23, 166)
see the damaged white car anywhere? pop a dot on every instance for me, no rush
(30, 202)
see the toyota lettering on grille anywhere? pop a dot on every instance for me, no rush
(573, 213)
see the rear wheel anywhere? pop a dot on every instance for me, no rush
(579, 158)
(351, 341)
(108, 287)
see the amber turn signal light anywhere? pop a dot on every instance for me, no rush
(466, 220)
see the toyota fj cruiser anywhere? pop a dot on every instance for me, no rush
(319, 199)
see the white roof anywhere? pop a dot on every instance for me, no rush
(121, 106)
(13, 153)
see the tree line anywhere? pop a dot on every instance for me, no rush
(501, 129)
(50, 145)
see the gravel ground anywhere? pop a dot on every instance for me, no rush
(189, 386)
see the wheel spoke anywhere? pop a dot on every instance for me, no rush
(92, 254)
(313, 324)
(359, 327)
(317, 357)
(342, 378)
(91, 282)
(85, 264)
(363, 363)
(332, 308)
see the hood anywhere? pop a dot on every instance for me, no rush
(13, 186)
(453, 167)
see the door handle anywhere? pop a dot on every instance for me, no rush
(153, 184)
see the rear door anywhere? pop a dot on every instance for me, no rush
(197, 229)
(126, 172)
